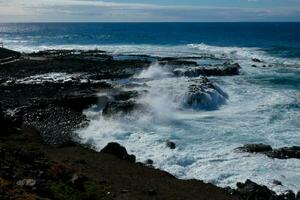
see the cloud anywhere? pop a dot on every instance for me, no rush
(94, 10)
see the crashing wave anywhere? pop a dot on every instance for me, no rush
(204, 95)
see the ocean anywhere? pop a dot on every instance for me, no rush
(263, 104)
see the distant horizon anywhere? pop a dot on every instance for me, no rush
(150, 22)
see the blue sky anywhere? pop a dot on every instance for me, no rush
(148, 10)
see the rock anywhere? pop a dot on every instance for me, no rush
(204, 95)
(252, 191)
(26, 183)
(170, 144)
(227, 70)
(78, 181)
(125, 95)
(276, 182)
(149, 162)
(118, 151)
(257, 60)
(177, 62)
(288, 195)
(255, 148)
(152, 192)
(121, 107)
(285, 153)
(281, 153)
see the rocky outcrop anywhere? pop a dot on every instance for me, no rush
(204, 95)
(226, 70)
(281, 153)
(121, 108)
(252, 191)
(118, 151)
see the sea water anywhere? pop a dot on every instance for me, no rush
(262, 104)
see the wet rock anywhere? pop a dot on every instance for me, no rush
(281, 153)
(227, 70)
(170, 144)
(204, 95)
(276, 182)
(177, 62)
(285, 153)
(125, 95)
(257, 60)
(26, 183)
(255, 148)
(149, 162)
(121, 108)
(119, 151)
(288, 195)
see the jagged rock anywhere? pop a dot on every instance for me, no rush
(121, 107)
(252, 191)
(170, 144)
(276, 182)
(285, 152)
(227, 70)
(281, 153)
(149, 162)
(204, 95)
(119, 151)
(125, 95)
(255, 148)
(177, 62)
(257, 60)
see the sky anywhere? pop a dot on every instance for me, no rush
(149, 10)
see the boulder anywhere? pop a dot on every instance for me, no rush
(118, 151)
(170, 144)
(252, 191)
(257, 60)
(204, 95)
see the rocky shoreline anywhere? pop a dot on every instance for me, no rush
(43, 95)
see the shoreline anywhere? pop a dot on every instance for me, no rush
(44, 102)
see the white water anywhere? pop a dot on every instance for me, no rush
(263, 107)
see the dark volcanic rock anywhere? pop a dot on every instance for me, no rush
(204, 95)
(175, 62)
(255, 148)
(170, 144)
(227, 70)
(119, 151)
(284, 153)
(125, 95)
(281, 153)
(121, 107)
(252, 191)
(257, 60)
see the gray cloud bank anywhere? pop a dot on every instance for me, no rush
(104, 11)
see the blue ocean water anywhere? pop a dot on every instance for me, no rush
(263, 104)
